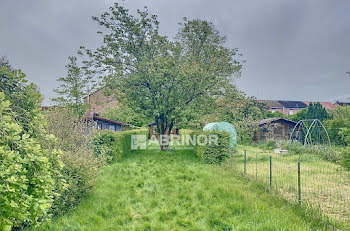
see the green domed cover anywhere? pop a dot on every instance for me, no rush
(223, 126)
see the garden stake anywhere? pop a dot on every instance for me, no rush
(299, 184)
(256, 166)
(270, 171)
(245, 161)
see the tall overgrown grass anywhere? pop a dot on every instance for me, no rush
(155, 190)
(335, 154)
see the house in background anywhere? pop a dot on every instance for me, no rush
(338, 103)
(274, 128)
(99, 102)
(292, 107)
(112, 125)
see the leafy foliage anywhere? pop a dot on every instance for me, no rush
(243, 112)
(335, 128)
(234, 107)
(213, 153)
(30, 165)
(24, 98)
(29, 175)
(339, 126)
(127, 115)
(269, 114)
(156, 77)
(75, 86)
(74, 137)
(313, 111)
(346, 159)
(113, 145)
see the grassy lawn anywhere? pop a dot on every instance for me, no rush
(151, 190)
(324, 185)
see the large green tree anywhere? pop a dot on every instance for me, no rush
(161, 78)
(313, 111)
(74, 87)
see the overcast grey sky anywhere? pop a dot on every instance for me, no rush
(295, 49)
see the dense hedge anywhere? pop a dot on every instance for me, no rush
(30, 176)
(113, 145)
(213, 153)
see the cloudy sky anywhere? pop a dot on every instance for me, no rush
(295, 49)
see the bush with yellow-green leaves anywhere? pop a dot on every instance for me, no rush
(30, 176)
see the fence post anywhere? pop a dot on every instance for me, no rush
(270, 171)
(299, 184)
(256, 166)
(245, 161)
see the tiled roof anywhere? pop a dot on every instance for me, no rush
(271, 103)
(271, 120)
(293, 104)
(283, 104)
(296, 104)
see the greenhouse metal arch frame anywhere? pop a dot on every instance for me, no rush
(303, 127)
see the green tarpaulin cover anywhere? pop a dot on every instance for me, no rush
(223, 126)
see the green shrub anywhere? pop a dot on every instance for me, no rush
(246, 129)
(80, 173)
(184, 132)
(268, 145)
(103, 145)
(30, 177)
(335, 128)
(271, 144)
(113, 145)
(74, 137)
(346, 159)
(213, 153)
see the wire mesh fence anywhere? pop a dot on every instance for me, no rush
(305, 179)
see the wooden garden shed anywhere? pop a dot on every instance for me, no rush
(275, 129)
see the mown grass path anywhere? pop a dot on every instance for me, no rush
(151, 190)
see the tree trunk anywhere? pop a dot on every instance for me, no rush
(163, 132)
(164, 142)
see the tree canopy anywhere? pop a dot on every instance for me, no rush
(163, 79)
(25, 98)
(313, 111)
(74, 87)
